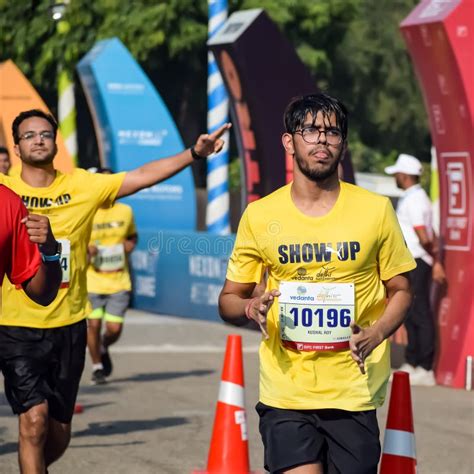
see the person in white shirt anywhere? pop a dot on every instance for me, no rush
(414, 213)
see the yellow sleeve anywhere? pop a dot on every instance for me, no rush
(393, 256)
(245, 263)
(105, 186)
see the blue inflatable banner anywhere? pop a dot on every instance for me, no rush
(133, 126)
(180, 273)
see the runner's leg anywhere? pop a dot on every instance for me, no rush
(93, 338)
(113, 330)
(115, 309)
(33, 430)
(59, 436)
(94, 324)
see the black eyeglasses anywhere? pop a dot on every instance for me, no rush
(43, 135)
(312, 135)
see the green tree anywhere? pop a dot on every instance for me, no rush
(165, 36)
(353, 48)
(374, 76)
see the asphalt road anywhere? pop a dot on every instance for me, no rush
(156, 413)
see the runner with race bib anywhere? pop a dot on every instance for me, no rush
(336, 289)
(109, 285)
(46, 361)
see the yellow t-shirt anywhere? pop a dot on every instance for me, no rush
(108, 273)
(274, 235)
(70, 203)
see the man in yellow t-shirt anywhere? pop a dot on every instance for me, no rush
(336, 290)
(41, 385)
(113, 238)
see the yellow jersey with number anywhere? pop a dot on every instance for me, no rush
(108, 271)
(70, 203)
(359, 242)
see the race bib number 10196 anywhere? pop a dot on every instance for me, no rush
(316, 316)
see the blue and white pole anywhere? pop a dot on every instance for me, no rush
(217, 213)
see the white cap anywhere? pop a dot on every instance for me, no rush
(406, 164)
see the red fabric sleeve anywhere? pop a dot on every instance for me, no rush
(23, 258)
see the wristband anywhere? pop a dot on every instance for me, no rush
(195, 155)
(51, 258)
(247, 307)
(55, 257)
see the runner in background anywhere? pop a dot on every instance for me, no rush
(113, 238)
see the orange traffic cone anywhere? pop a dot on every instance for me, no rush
(399, 456)
(228, 453)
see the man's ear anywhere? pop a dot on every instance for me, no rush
(288, 145)
(16, 149)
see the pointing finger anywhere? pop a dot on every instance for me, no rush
(219, 132)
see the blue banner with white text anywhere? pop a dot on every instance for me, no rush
(133, 127)
(180, 273)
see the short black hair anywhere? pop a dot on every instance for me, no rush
(4, 151)
(29, 114)
(299, 107)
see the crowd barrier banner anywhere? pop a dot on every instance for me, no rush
(440, 37)
(180, 273)
(17, 95)
(133, 126)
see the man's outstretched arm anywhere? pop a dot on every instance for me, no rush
(159, 170)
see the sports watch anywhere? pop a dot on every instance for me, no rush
(55, 256)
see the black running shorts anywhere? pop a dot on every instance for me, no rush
(345, 442)
(43, 364)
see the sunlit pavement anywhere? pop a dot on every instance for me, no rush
(155, 415)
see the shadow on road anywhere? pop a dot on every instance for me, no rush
(107, 428)
(157, 376)
(95, 389)
(8, 448)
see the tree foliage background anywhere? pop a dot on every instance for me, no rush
(353, 48)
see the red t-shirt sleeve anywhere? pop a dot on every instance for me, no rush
(22, 257)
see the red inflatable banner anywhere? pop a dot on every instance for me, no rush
(440, 38)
